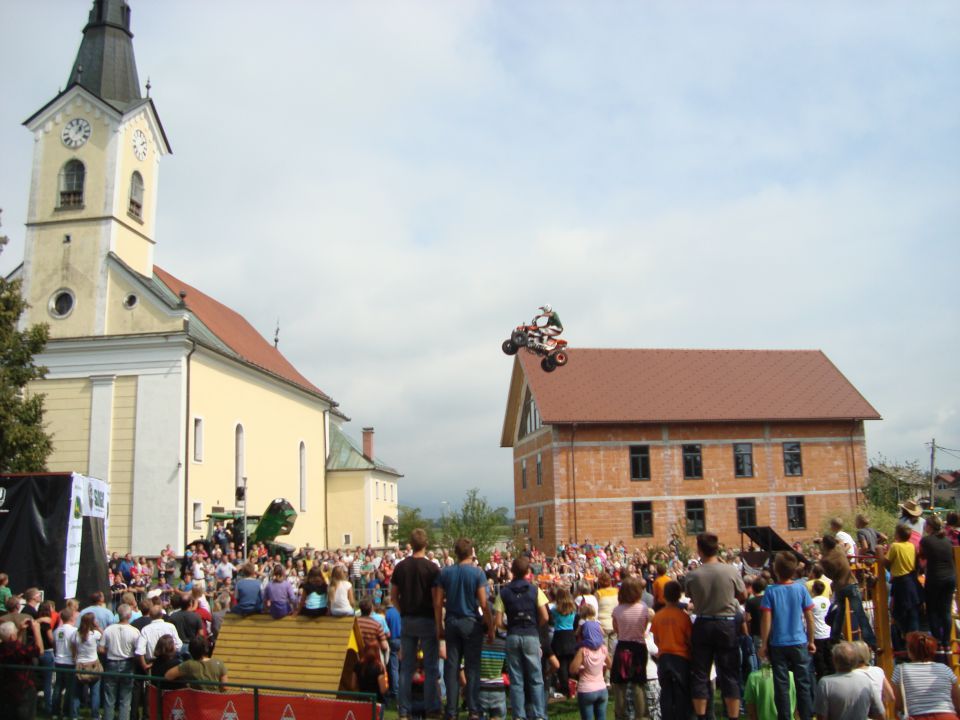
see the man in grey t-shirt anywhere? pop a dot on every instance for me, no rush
(716, 591)
(848, 695)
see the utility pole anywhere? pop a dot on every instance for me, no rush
(933, 460)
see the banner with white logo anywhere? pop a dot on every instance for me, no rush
(89, 497)
(74, 537)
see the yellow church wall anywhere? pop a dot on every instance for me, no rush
(122, 448)
(128, 163)
(275, 419)
(67, 419)
(55, 264)
(345, 490)
(144, 317)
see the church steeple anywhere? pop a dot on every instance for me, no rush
(105, 64)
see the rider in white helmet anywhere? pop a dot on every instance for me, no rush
(551, 328)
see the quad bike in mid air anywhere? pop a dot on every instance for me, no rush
(552, 351)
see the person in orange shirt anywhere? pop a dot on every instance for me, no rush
(672, 630)
(659, 583)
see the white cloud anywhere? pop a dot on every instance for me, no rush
(402, 183)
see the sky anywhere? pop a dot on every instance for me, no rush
(399, 184)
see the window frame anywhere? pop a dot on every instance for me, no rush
(523, 473)
(539, 469)
(639, 463)
(642, 511)
(693, 456)
(751, 508)
(743, 457)
(792, 506)
(692, 529)
(198, 439)
(135, 202)
(302, 452)
(69, 195)
(798, 460)
(540, 523)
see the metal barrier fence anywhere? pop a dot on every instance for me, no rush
(259, 694)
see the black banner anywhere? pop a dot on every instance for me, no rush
(34, 514)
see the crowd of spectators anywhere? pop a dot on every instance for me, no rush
(660, 630)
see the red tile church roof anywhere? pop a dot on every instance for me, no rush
(233, 330)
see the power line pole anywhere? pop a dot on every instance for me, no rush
(933, 460)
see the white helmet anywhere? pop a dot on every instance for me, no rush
(547, 307)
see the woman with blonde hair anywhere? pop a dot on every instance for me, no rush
(563, 613)
(882, 686)
(340, 593)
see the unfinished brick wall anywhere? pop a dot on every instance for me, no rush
(586, 490)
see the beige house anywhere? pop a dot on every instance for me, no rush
(361, 489)
(171, 396)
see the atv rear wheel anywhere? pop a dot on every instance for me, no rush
(548, 364)
(560, 358)
(509, 348)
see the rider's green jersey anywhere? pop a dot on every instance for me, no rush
(553, 320)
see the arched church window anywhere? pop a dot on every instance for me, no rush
(238, 469)
(136, 195)
(71, 184)
(303, 477)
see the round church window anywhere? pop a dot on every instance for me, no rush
(130, 301)
(61, 304)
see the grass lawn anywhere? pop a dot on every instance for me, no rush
(556, 710)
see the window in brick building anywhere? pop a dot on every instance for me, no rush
(746, 513)
(692, 462)
(540, 523)
(796, 512)
(539, 470)
(530, 420)
(639, 462)
(523, 474)
(792, 465)
(642, 519)
(696, 517)
(743, 459)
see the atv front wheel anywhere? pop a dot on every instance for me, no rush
(519, 338)
(509, 348)
(548, 364)
(560, 358)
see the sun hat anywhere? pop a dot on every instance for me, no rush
(911, 508)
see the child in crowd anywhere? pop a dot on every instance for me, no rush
(493, 698)
(786, 608)
(672, 630)
(821, 631)
(589, 663)
(759, 695)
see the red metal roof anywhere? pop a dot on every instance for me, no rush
(639, 386)
(236, 333)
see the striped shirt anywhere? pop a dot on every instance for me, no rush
(492, 657)
(926, 687)
(371, 631)
(631, 621)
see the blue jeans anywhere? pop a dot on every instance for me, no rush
(90, 693)
(795, 658)
(69, 704)
(593, 705)
(393, 668)
(464, 638)
(858, 618)
(423, 632)
(523, 666)
(117, 691)
(46, 661)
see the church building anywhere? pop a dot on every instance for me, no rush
(154, 386)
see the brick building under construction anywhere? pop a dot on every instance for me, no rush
(638, 444)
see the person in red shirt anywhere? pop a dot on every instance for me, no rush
(17, 687)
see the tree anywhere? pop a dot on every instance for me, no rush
(890, 484)
(478, 520)
(408, 520)
(24, 444)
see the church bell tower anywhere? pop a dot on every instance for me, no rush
(93, 191)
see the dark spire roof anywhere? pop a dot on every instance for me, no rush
(109, 70)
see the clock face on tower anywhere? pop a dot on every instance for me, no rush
(139, 144)
(75, 133)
